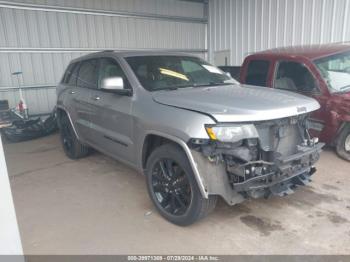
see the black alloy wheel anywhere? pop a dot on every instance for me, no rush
(171, 187)
(67, 138)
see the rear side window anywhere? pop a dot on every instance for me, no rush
(257, 72)
(88, 74)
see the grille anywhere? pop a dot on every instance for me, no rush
(281, 136)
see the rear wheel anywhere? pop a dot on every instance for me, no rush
(343, 143)
(173, 189)
(71, 145)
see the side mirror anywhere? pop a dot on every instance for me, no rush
(115, 85)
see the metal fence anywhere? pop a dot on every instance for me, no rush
(246, 26)
(40, 37)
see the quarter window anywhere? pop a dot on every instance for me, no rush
(257, 72)
(88, 74)
(67, 74)
(70, 76)
(74, 76)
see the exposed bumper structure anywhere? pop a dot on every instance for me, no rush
(275, 163)
(265, 186)
(290, 172)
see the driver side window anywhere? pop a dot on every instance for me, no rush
(294, 76)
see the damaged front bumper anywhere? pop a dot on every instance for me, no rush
(259, 178)
(287, 173)
(267, 185)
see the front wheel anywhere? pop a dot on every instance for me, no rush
(173, 189)
(343, 143)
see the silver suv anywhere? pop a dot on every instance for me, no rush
(191, 129)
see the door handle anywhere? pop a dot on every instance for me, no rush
(72, 92)
(95, 98)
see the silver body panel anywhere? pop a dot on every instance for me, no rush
(239, 103)
(118, 125)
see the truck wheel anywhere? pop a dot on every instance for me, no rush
(71, 145)
(173, 189)
(343, 144)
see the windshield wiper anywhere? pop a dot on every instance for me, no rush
(212, 84)
(166, 88)
(170, 88)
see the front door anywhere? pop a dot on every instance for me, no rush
(111, 120)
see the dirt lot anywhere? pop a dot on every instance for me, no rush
(99, 206)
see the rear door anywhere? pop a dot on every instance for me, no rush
(86, 81)
(111, 120)
(67, 88)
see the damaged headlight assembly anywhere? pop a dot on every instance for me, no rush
(227, 141)
(231, 133)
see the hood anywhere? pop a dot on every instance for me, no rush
(238, 103)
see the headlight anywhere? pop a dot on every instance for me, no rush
(232, 133)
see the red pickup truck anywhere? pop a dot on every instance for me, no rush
(321, 72)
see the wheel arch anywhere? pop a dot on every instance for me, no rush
(342, 126)
(154, 139)
(61, 111)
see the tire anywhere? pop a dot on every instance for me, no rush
(343, 143)
(71, 145)
(173, 189)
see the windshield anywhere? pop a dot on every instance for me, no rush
(172, 72)
(335, 70)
